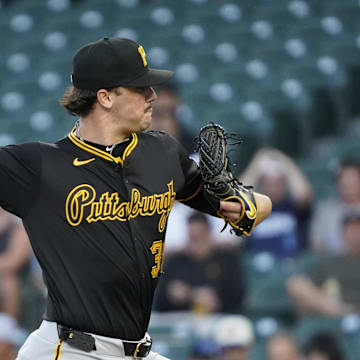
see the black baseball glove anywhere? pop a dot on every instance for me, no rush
(218, 180)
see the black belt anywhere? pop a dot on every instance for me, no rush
(86, 342)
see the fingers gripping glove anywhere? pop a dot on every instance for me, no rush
(218, 180)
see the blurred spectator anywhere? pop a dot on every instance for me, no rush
(282, 346)
(332, 287)
(37, 276)
(15, 252)
(283, 233)
(326, 224)
(202, 278)
(204, 349)
(33, 296)
(235, 336)
(8, 328)
(323, 346)
(176, 234)
(164, 118)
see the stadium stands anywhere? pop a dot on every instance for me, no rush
(230, 53)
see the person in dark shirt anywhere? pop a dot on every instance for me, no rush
(326, 223)
(202, 277)
(284, 233)
(331, 287)
(15, 252)
(95, 206)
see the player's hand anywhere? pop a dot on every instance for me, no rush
(230, 210)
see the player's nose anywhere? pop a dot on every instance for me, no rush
(151, 94)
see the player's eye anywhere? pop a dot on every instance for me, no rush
(141, 89)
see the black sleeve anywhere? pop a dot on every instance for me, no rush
(192, 193)
(20, 167)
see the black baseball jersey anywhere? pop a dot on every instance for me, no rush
(97, 221)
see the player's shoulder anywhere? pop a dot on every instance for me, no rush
(26, 149)
(41, 148)
(27, 154)
(154, 134)
(48, 146)
(24, 146)
(157, 136)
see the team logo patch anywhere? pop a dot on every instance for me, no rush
(143, 55)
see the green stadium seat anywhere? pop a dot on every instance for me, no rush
(35, 8)
(346, 52)
(283, 21)
(351, 344)
(333, 7)
(348, 340)
(348, 336)
(349, 17)
(308, 326)
(243, 38)
(32, 302)
(173, 335)
(312, 78)
(266, 287)
(258, 352)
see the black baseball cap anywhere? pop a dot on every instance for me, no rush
(111, 62)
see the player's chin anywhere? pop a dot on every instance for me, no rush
(145, 124)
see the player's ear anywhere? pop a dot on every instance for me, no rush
(104, 98)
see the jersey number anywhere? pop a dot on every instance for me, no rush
(157, 249)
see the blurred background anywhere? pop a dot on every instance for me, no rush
(285, 76)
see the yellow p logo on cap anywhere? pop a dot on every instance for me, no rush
(143, 55)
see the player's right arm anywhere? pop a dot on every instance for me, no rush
(20, 169)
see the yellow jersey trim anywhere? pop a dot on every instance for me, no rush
(58, 350)
(103, 154)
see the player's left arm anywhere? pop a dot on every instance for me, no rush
(191, 192)
(231, 210)
(199, 199)
(194, 195)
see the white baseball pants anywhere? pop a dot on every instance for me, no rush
(44, 344)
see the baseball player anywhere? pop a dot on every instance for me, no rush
(95, 206)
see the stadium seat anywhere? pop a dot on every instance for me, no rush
(266, 293)
(346, 52)
(333, 7)
(36, 9)
(259, 50)
(173, 334)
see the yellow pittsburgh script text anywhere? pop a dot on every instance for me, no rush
(83, 199)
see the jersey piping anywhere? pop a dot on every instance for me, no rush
(96, 151)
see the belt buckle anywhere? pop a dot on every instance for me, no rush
(146, 342)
